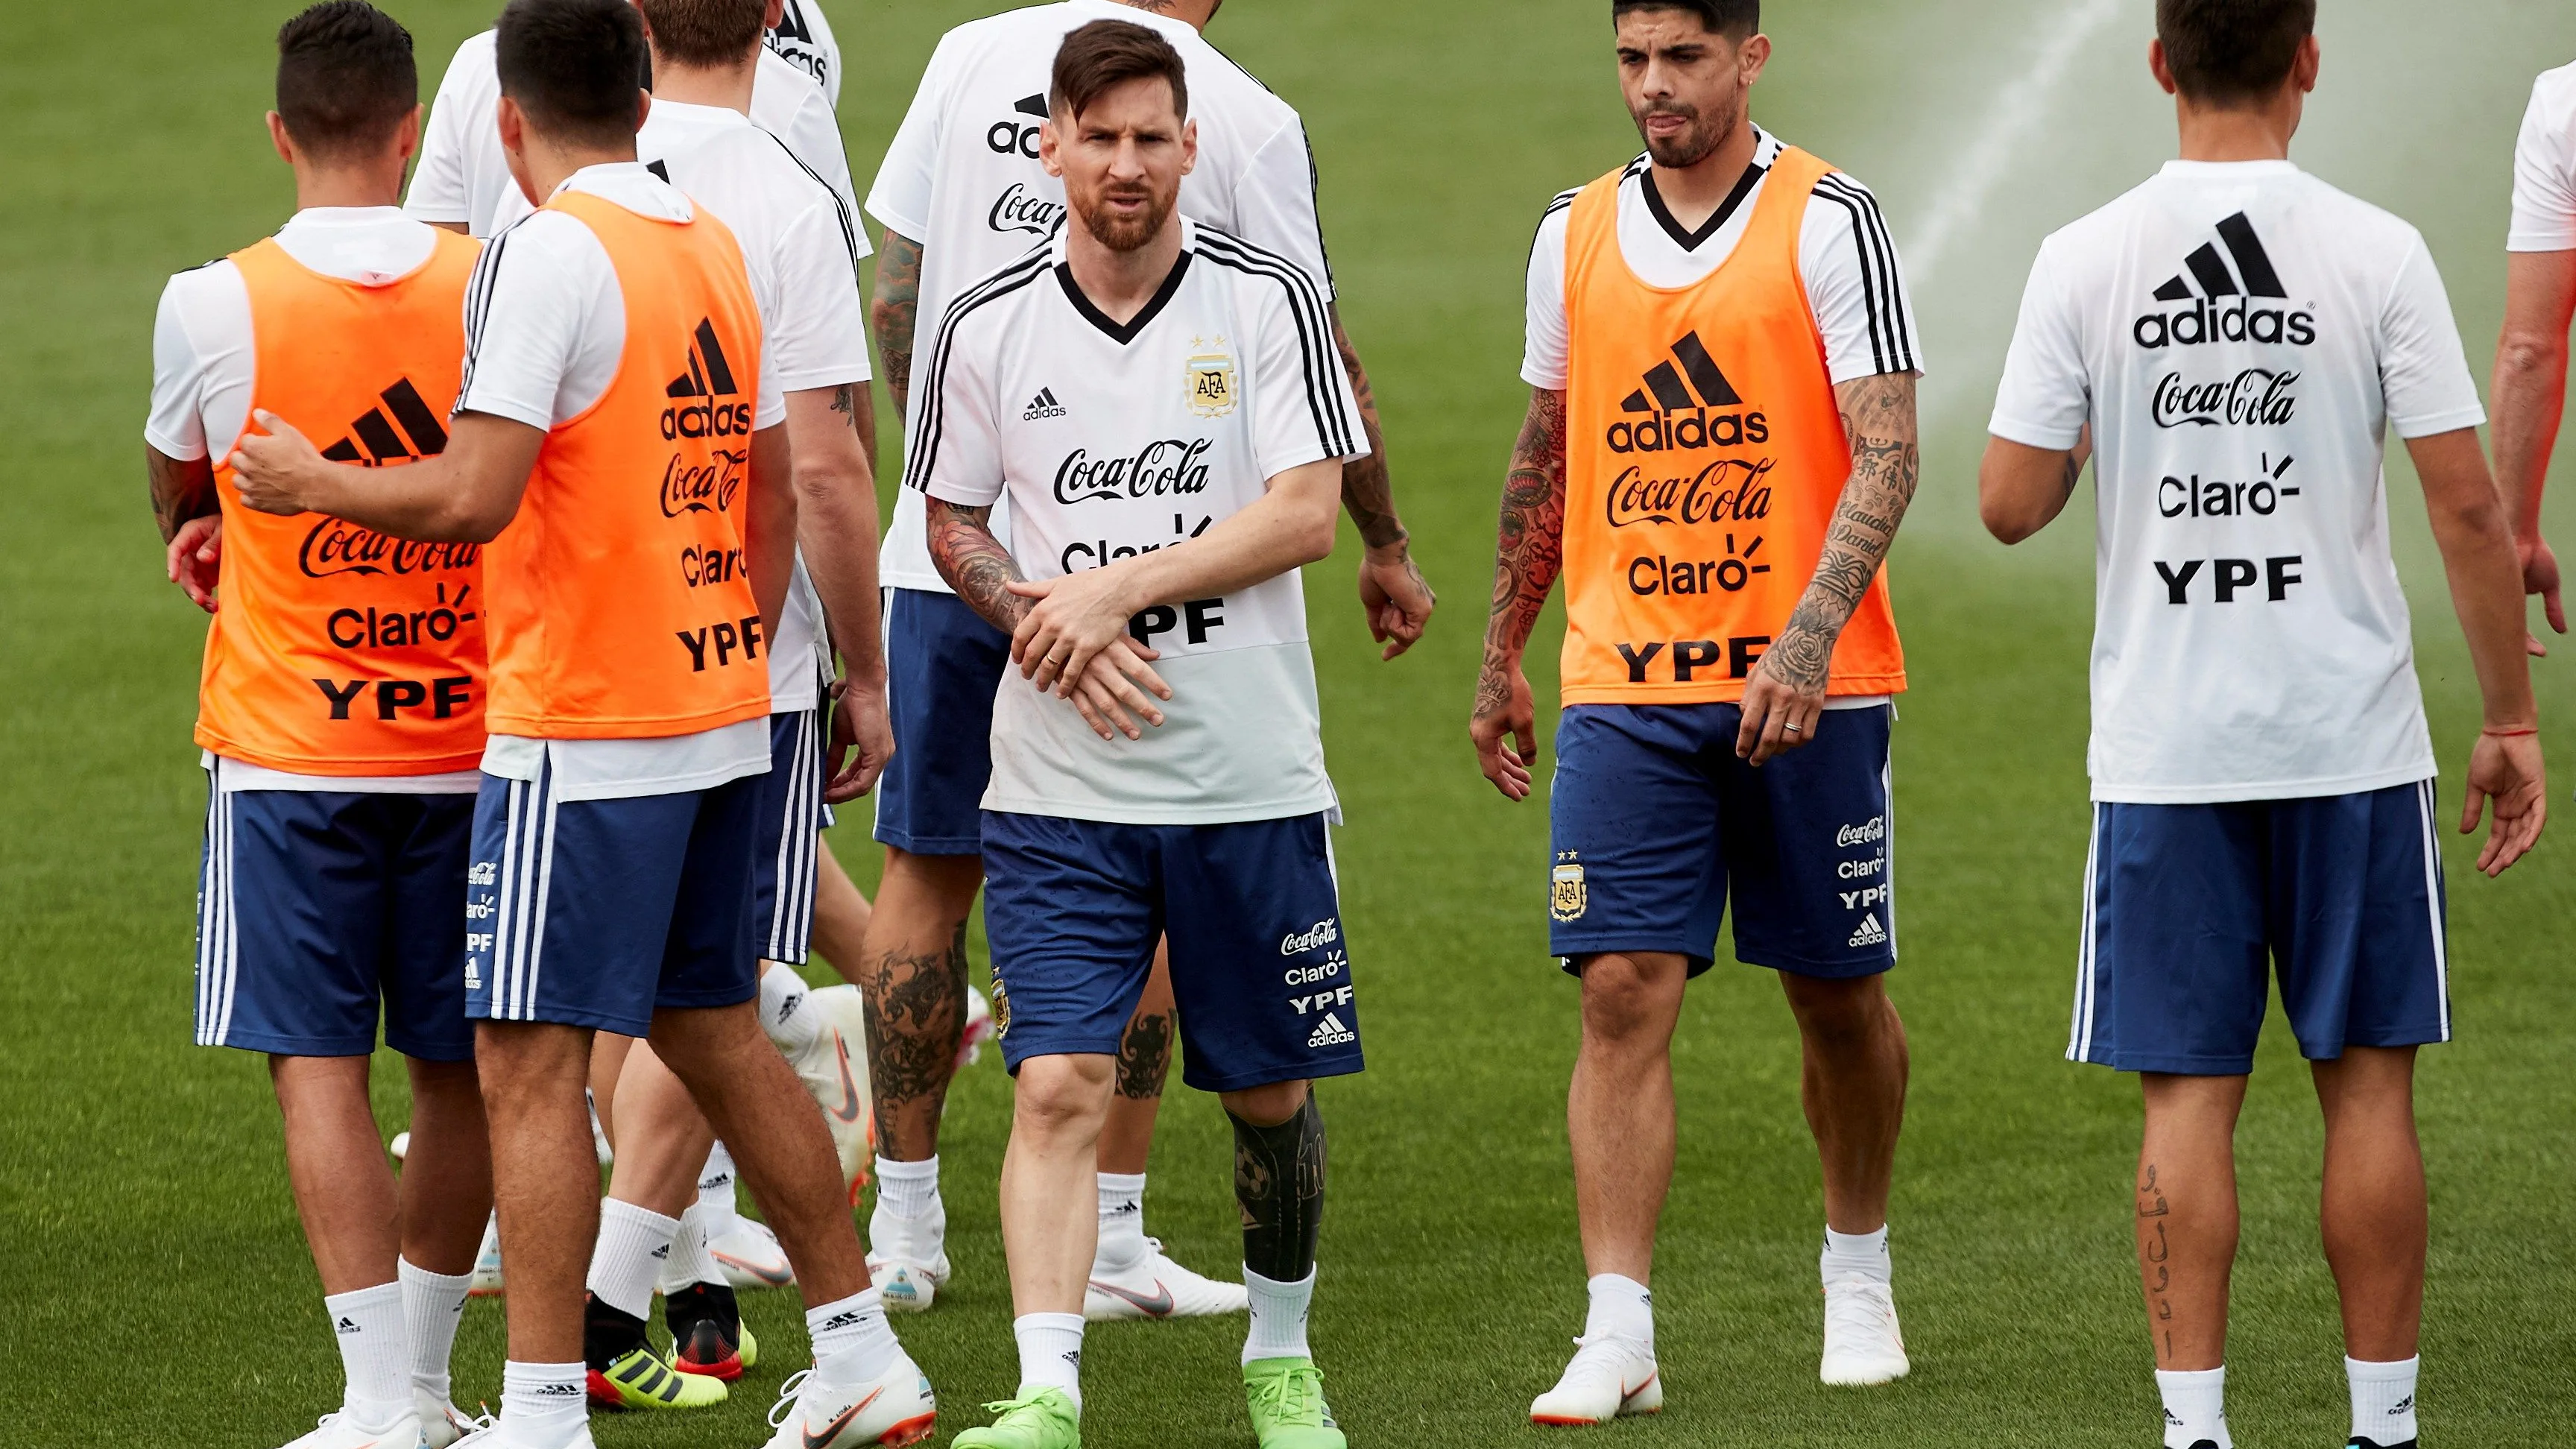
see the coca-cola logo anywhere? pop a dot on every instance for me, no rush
(707, 487)
(1730, 490)
(335, 547)
(1174, 467)
(2258, 397)
(1018, 210)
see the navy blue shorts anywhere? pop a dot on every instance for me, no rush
(2191, 909)
(792, 820)
(316, 913)
(595, 912)
(943, 666)
(1073, 909)
(1656, 823)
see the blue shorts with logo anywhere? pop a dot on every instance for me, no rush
(1656, 825)
(792, 820)
(319, 912)
(595, 912)
(943, 665)
(2191, 910)
(1073, 909)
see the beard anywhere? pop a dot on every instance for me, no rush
(1129, 231)
(1697, 141)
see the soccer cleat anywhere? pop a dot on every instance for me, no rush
(751, 1257)
(979, 1030)
(708, 1335)
(487, 1262)
(2360, 1443)
(339, 1431)
(598, 1131)
(400, 1147)
(834, 1067)
(639, 1379)
(1156, 1287)
(441, 1423)
(908, 1258)
(1286, 1397)
(1610, 1377)
(487, 1435)
(1862, 1342)
(1037, 1419)
(898, 1408)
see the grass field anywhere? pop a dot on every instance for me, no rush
(158, 1289)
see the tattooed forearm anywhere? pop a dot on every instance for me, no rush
(975, 564)
(180, 491)
(1368, 493)
(896, 311)
(1145, 1056)
(1878, 415)
(858, 407)
(1531, 544)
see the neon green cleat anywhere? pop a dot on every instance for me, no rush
(1286, 1396)
(639, 1379)
(1037, 1419)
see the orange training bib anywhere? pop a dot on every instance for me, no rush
(337, 650)
(1705, 455)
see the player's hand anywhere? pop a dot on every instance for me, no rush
(2540, 576)
(2507, 769)
(1111, 695)
(1397, 598)
(1074, 618)
(195, 558)
(862, 742)
(275, 467)
(1782, 702)
(1505, 728)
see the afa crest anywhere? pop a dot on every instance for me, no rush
(1568, 896)
(1001, 1009)
(1211, 381)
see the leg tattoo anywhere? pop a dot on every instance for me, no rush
(1145, 1056)
(1279, 1182)
(916, 1017)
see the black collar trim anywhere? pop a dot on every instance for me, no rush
(1122, 334)
(1689, 240)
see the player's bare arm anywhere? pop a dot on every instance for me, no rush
(1787, 691)
(2022, 489)
(2530, 396)
(1112, 693)
(895, 312)
(192, 525)
(2470, 525)
(1528, 554)
(769, 525)
(1398, 599)
(837, 526)
(467, 494)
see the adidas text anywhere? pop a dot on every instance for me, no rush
(1330, 1032)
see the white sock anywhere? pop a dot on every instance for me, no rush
(783, 1013)
(543, 1405)
(910, 1221)
(1857, 1255)
(853, 1343)
(716, 1195)
(1278, 1328)
(1621, 1308)
(433, 1304)
(1122, 1220)
(908, 1189)
(2195, 1407)
(2383, 1400)
(634, 1243)
(375, 1352)
(689, 1264)
(1050, 1352)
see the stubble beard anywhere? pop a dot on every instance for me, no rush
(1699, 141)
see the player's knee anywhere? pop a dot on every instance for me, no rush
(1265, 1106)
(1838, 1015)
(1631, 999)
(1062, 1095)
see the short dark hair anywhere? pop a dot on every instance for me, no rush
(1734, 19)
(704, 32)
(2226, 52)
(345, 78)
(1107, 54)
(574, 66)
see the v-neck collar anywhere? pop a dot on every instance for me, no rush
(1684, 238)
(1123, 333)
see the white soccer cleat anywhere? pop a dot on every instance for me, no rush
(1863, 1345)
(896, 1409)
(339, 1431)
(487, 1435)
(487, 1262)
(834, 1068)
(1156, 1287)
(1609, 1377)
(441, 1423)
(750, 1256)
(400, 1147)
(979, 1029)
(908, 1259)
(598, 1131)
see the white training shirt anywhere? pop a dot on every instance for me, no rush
(804, 39)
(1855, 284)
(545, 333)
(2240, 337)
(204, 365)
(1112, 441)
(2544, 168)
(463, 175)
(962, 178)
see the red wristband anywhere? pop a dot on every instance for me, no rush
(2512, 734)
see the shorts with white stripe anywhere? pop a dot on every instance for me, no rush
(2190, 910)
(595, 912)
(792, 819)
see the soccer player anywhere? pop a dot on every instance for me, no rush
(1720, 446)
(621, 414)
(1160, 404)
(962, 192)
(2230, 343)
(802, 35)
(340, 711)
(2530, 389)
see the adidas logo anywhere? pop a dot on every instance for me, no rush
(662, 1253)
(837, 1321)
(1871, 933)
(345, 1327)
(709, 377)
(2207, 284)
(1675, 417)
(1331, 1032)
(1043, 407)
(412, 431)
(2402, 1407)
(1019, 137)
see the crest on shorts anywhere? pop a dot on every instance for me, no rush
(1211, 379)
(1568, 897)
(1001, 1008)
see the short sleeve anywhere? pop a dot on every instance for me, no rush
(439, 190)
(2423, 369)
(1302, 408)
(545, 324)
(815, 137)
(176, 425)
(2544, 169)
(1856, 283)
(957, 455)
(823, 339)
(1275, 206)
(2046, 396)
(1546, 343)
(900, 198)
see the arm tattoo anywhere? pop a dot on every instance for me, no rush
(975, 564)
(1531, 548)
(179, 491)
(1145, 1056)
(858, 407)
(1368, 494)
(896, 311)
(1878, 416)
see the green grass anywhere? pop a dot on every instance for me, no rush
(158, 1289)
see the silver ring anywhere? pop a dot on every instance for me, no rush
(1795, 729)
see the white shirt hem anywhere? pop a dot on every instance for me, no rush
(233, 777)
(1292, 809)
(2439, 423)
(2237, 794)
